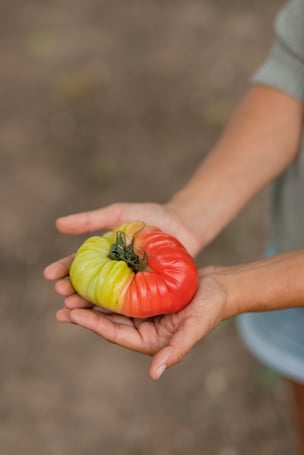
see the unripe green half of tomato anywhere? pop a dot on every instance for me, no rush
(135, 270)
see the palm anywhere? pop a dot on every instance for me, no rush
(147, 336)
(167, 338)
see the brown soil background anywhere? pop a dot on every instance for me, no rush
(118, 101)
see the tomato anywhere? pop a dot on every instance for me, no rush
(135, 270)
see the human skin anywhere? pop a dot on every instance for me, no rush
(259, 142)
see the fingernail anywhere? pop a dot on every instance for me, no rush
(160, 370)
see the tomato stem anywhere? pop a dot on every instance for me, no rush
(121, 251)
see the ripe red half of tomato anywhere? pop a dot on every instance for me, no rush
(135, 270)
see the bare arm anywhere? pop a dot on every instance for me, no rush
(260, 141)
(269, 284)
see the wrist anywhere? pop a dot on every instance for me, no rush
(226, 280)
(268, 284)
(248, 287)
(244, 288)
(189, 208)
(185, 215)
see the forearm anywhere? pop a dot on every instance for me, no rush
(260, 141)
(265, 285)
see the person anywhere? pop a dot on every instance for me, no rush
(261, 144)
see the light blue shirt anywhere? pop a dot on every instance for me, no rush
(284, 69)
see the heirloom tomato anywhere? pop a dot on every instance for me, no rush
(135, 270)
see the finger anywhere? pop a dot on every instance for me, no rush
(104, 326)
(58, 269)
(63, 315)
(180, 344)
(80, 223)
(64, 287)
(75, 301)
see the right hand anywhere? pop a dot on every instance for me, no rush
(166, 217)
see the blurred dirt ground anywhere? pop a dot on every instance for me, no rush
(118, 101)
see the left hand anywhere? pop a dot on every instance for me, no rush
(167, 338)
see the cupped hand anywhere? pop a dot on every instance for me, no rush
(165, 217)
(166, 338)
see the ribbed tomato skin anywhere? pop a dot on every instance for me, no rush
(166, 285)
(170, 282)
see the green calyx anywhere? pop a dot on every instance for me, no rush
(121, 251)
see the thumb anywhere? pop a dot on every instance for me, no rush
(89, 221)
(180, 344)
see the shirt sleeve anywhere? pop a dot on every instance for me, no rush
(284, 68)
